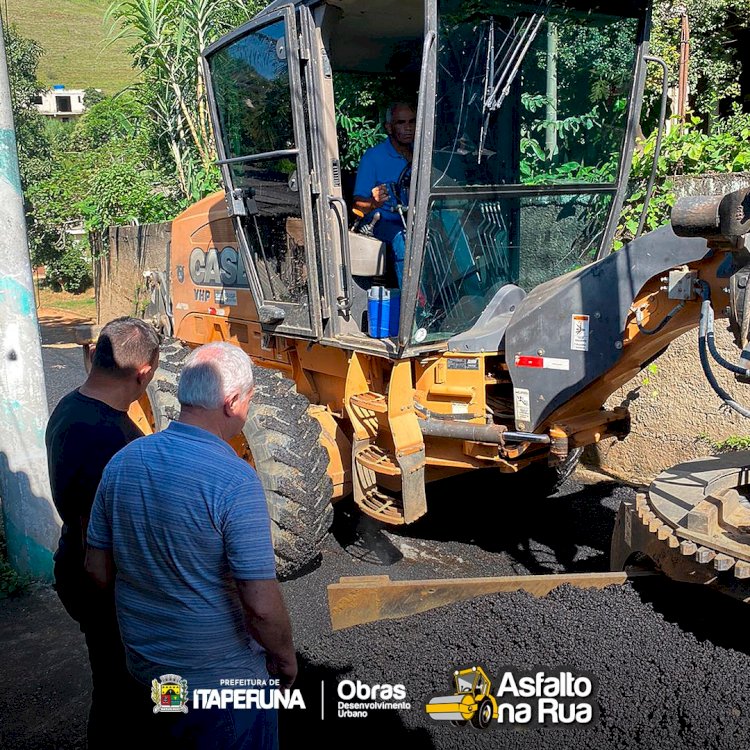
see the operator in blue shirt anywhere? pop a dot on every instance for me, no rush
(383, 164)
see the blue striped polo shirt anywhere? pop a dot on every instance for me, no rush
(184, 517)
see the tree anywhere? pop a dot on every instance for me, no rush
(715, 65)
(168, 37)
(23, 56)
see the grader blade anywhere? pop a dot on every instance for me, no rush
(693, 524)
(361, 599)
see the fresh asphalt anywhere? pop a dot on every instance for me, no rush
(670, 662)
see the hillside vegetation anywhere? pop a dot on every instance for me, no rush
(74, 36)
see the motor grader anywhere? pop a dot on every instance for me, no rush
(515, 321)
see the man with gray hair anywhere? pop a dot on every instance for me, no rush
(86, 429)
(183, 521)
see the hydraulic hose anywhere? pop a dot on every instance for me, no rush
(652, 331)
(710, 339)
(703, 330)
(726, 364)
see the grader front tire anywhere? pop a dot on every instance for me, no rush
(284, 440)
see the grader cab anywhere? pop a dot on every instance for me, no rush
(512, 323)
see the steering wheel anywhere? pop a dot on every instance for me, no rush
(398, 192)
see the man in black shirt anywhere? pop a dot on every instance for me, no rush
(86, 429)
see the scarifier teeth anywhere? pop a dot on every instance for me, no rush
(673, 541)
(742, 569)
(655, 524)
(663, 532)
(640, 501)
(704, 555)
(723, 562)
(688, 548)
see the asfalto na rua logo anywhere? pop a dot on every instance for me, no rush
(169, 694)
(538, 697)
(472, 701)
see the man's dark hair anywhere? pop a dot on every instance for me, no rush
(124, 345)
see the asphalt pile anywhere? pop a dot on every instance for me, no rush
(670, 660)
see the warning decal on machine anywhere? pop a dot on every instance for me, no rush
(579, 333)
(522, 403)
(546, 363)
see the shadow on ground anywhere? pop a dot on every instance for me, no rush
(494, 514)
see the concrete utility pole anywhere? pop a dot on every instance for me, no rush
(30, 519)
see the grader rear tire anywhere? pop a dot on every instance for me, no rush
(282, 442)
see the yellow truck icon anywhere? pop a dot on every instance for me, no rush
(472, 700)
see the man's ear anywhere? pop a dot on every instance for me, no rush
(143, 373)
(388, 128)
(230, 405)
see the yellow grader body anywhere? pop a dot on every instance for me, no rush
(515, 322)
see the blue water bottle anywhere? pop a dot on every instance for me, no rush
(383, 312)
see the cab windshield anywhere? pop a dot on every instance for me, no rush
(532, 102)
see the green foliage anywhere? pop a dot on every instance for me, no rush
(648, 373)
(102, 173)
(114, 184)
(361, 103)
(357, 133)
(110, 119)
(11, 583)
(69, 270)
(715, 64)
(202, 181)
(93, 96)
(121, 193)
(572, 131)
(23, 57)
(539, 168)
(686, 151)
(167, 37)
(730, 444)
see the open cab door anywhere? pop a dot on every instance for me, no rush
(260, 118)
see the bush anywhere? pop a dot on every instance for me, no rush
(11, 583)
(685, 151)
(70, 271)
(109, 119)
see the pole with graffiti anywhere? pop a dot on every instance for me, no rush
(30, 520)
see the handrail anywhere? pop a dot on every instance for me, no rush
(343, 302)
(659, 136)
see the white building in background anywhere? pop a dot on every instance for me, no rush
(61, 103)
